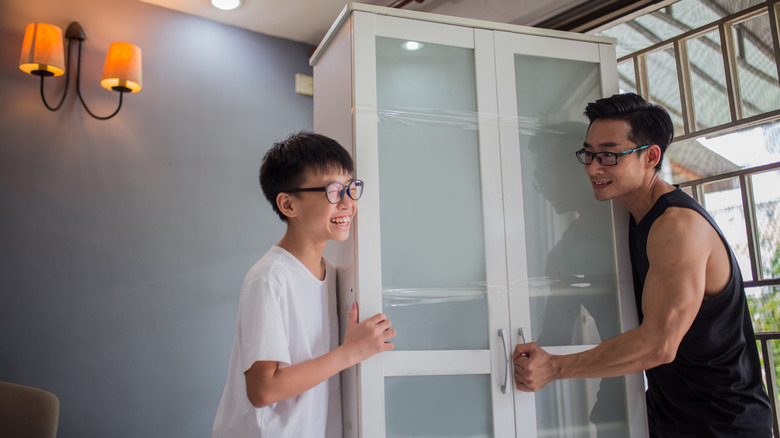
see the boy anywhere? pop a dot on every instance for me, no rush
(286, 345)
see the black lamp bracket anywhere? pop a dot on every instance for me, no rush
(75, 32)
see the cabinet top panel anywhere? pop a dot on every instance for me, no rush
(446, 19)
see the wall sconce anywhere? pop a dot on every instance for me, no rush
(42, 55)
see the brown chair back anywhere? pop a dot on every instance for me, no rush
(28, 412)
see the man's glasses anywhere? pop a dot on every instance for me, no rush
(605, 158)
(335, 191)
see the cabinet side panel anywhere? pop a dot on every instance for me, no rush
(333, 117)
(333, 89)
(635, 383)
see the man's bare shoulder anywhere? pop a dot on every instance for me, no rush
(681, 237)
(681, 221)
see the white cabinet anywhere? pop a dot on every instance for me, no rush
(477, 224)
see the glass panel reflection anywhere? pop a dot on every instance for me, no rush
(764, 304)
(569, 242)
(438, 406)
(766, 198)
(582, 408)
(756, 66)
(430, 194)
(723, 201)
(627, 76)
(708, 81)
(427, 316)
(663, 87)
(671, 21)
(703, 157)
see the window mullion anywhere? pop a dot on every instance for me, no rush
(640, 70)
(696, 194)
(775, 31)
(751, 226)
(730, 69)
(684, 83)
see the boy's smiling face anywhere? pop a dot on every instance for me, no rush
(314, 217)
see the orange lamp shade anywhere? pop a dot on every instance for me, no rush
(122, 71)
(42, 50)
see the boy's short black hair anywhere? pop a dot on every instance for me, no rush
(650, 123)
(286, 163)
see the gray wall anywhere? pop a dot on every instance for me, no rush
(123, 243)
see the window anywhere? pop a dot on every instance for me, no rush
(714, 65)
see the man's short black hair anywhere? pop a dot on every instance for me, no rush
(286, 163)
(650, 123)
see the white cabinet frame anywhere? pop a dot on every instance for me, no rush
(345, 107)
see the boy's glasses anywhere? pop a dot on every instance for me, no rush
(604, 158)
(335, 191)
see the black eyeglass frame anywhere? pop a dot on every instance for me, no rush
(600, 155)
(344, 190)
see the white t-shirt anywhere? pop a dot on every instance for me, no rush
(286, 315)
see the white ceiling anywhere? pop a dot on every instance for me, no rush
(308, 21)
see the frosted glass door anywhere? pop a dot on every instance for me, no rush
(572, 277)
(562, 247)
(433, 251)
(440, 236)
(438, 406)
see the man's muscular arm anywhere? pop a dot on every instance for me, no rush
(678, 248)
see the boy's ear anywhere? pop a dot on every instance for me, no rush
(285, 204)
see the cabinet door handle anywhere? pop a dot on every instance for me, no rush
(502, 333)
(523, 332)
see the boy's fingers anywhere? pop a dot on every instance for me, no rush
(353, 314)
(377, 319)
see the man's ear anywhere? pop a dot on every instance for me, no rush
(285, 204)
(653, 155)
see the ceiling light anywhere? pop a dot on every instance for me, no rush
(412, 45)
(226, 5)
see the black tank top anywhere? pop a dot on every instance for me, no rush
(713, 387)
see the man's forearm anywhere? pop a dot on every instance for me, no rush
(633, 351)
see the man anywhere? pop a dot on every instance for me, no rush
(695, 339)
